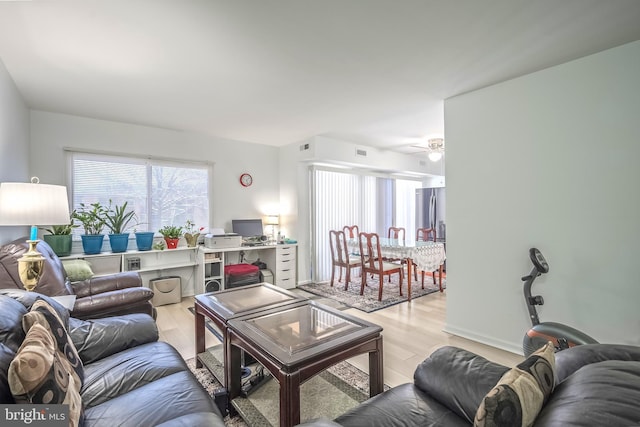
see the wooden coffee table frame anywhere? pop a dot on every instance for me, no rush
(291, 374)
(220, 315)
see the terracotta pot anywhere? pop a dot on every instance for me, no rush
(171, 243)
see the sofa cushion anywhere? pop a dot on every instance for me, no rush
(40, 374)
(160, 401)
(43, 314)
(458, 379)
(599, 394)
(404, 405)
(99, 338)
(108, 378)
(567, 362)
(521, 392)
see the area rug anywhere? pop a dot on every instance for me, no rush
(327, 395)
(369, 301)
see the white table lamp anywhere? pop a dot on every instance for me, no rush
(33, 204)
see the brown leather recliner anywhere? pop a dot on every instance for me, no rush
(103, 296)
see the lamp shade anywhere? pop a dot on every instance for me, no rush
(24, 203)
(272, 220)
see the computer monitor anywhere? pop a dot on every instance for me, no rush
(247, 227)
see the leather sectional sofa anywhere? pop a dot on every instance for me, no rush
(596, 385)
(129, 378)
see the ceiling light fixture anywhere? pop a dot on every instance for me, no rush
(435, 148)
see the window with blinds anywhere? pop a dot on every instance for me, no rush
(160, 192)
(372, 203)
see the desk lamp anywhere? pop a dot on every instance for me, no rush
(32, 204)
(273, 221)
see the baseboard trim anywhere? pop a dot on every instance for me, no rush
(483, 339)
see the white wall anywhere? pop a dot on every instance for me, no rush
(51, 133)
(14, 143)
(547, 160)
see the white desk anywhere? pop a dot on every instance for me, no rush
(281, 260)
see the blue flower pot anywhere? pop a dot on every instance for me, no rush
(144, 240)
(92, 243)
(119, 242)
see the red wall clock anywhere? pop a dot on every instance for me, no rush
(246, 180)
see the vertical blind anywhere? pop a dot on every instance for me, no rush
(405, 206)
(340, 198)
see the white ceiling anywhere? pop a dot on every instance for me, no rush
(374, 72)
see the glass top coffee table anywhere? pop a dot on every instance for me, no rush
(297, 341)
(220, 307)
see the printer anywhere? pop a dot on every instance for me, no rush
(222, 241)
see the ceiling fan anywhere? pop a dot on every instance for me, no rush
(434, 147)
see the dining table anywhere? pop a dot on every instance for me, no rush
(425, 255)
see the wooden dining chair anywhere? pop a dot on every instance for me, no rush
(425, 235)
(351, 232)
(372, 263)
(397, 233)
(340, 257)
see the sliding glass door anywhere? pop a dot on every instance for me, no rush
(373, 203)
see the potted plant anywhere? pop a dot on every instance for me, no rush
(191, 234)
(59, 237)
(92, 218)
(117, 219)
(171, 234)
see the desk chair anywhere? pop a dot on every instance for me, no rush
(372, 262)
(425, 235)
(340, 257)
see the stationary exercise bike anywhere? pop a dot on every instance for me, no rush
(562, 336)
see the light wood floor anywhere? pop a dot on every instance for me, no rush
(411, 332)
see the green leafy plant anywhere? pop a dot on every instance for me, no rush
(171, 231)
(117, 218)
(92, 217)
(62, 230)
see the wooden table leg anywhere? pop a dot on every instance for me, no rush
(232, 369)
(289, 399)
(410, 266)
(440, 277)
(199, 337)
(376, 369)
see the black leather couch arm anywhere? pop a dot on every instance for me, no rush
(458, 379)
(568, 362)
(111, 282)
(99, 338)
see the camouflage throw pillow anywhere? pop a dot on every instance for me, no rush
(40, 374)
(43, 314)
(521, 392)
